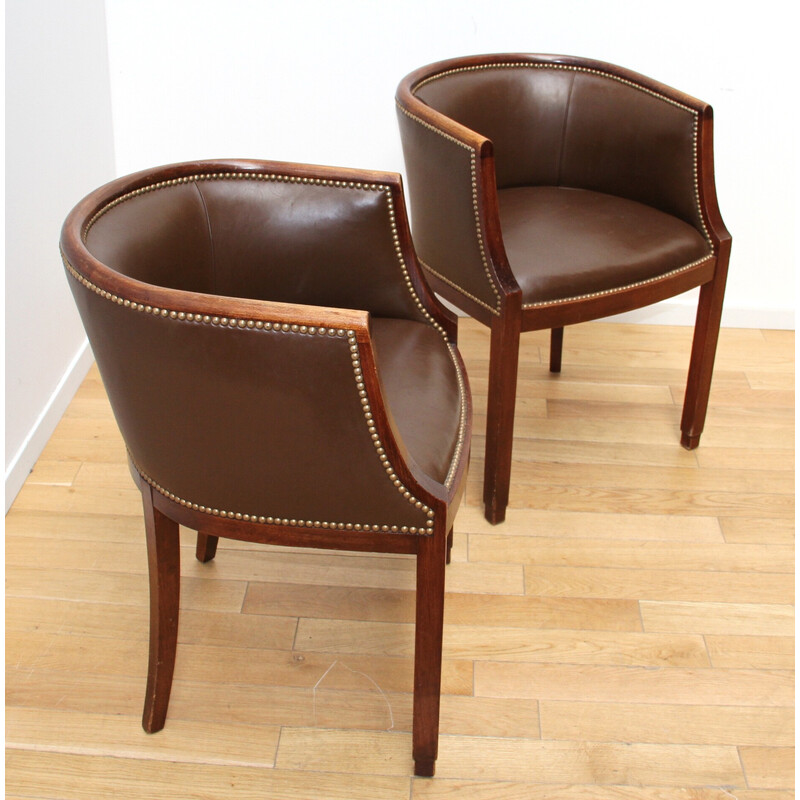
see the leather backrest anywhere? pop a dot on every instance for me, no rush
(578, 127)
(277, 240)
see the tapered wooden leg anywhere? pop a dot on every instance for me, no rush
(449, 546)
(428, 652)
(206, 547)
(503, 360)
(556, 345)
(163, 557)
(704, 348)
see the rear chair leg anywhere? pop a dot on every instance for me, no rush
(704, 349)
(206, 547)
(556, 346)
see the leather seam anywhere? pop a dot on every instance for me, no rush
(212, 256)
(458, 288)
(619, 289)
(564, 124)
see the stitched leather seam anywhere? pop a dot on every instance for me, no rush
(290, 328)
(253, 176)
(475, 208)
(608, 75)
(212, 255)
(462, 421)
(618, 289)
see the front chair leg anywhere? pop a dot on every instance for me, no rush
(556, 346)
(428, 652)
(503, 360)
(163, 557)
(704, 349)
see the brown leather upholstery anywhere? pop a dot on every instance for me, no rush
(565, 242)
(278, 369)
(548, 190)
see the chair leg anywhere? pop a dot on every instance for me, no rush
(701, 366)
(556, 346)
(206, 547)
(503, 360)
(428, 652)
(449, 546)
(163, 556)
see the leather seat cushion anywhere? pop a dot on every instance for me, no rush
(563, 243)
(421, 389)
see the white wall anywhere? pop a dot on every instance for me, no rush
(314, 80)
(59, 145)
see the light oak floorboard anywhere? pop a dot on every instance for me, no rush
(626, 634)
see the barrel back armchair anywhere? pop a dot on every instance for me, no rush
(550, 190)
(280, 373)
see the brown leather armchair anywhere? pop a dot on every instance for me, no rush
(549, 190)
(280, 373)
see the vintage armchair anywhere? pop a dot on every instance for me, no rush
(280, 373)
(550, 190)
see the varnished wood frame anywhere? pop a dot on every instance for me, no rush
(164, 515)
(510, 319)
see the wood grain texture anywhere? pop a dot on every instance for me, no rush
(626, 634)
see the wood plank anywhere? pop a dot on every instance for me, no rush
(768, 767)
(660, 584)
(758, 531)
(500, 759)
(454, 789)
(718, 618)
(296, 566)
(751, 651)
(110, 621)
(637, 555)
(122, 737)
(392, 605)
(639, 722)
(76, 777)
(667, 685)
(587, 525)
(481, 642)
(119, 587)
(208, 664)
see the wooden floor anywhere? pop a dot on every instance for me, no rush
(627, 634)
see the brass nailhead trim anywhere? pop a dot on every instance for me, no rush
(458, 288)
(609, 76)
(253, 176)
(605, 292)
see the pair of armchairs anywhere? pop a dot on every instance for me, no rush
(279, 367)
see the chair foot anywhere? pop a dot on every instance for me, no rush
(494, 514)
(424, 768)
(689, 442)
